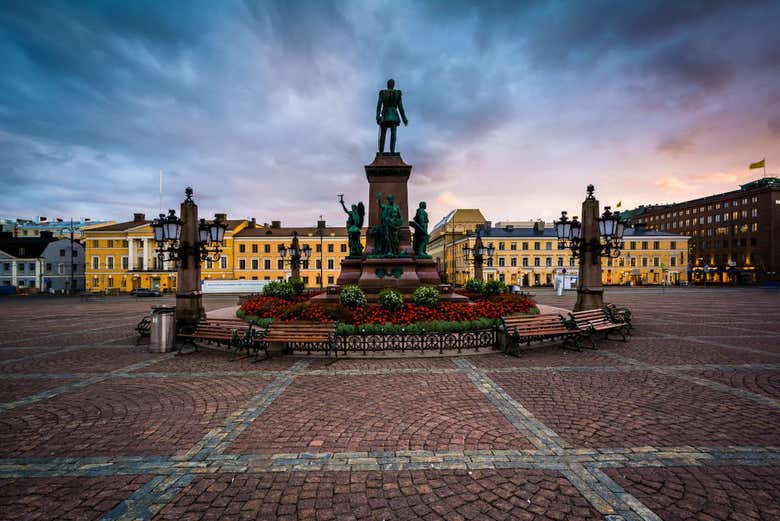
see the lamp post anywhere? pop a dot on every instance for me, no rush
(187, 242)
(479, 251)
(589, 240)
(296, 254)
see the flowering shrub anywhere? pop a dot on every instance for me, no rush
(494, 287)
(300, 309)
(279, 289)
(297, 285)
(352, 297)
(426, 296)
(474, 286)
(390, 299)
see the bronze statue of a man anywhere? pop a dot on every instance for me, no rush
(389, 114)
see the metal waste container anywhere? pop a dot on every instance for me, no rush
(162, 336)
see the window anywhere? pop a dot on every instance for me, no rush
(95, 263)
(525, 245)
(501, 262)
(330, 263)
(656, 245)
(267, 264)
(644, 262)
(343, 248)
(571, 261)
(110, 243)
(548, 262)
(125, 263)
(254, 248)
(513, 246)
(124, 245)
(330, 248)
(242, 248)
(60, 268)
(209, 263)
(255, 262)
(513, 262)
(330, 279)
(305, 279)
(632, 245)
(644, 245)
(318, 264)
(548, 246)
(242, 264)
(305, 264)
(279, 264)
(267, 248)
(537, 245)
(62, 252)
(96, 244)
(110, 263)
(754, 212)
(501, 247)
(318, 248)
(673, 245)
(223, 262)
(537, 261)
(673, 261)
(633, 262)
(560, 262)
(754, 227)
(656, 261)
(7, 266)
(48, 266)
(525, 262)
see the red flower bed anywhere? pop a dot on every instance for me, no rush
(284, 310)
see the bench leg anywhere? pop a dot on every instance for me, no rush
(572, 343)
(189, 341)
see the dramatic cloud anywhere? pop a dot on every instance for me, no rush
(266, 108)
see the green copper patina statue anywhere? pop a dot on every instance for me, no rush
(389, 114)
(355, 218)
(387, 233)
(420, 226)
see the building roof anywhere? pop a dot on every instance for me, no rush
(460, 215)
(303, 231)
(549, 233)
(120, 227)
(25, 247)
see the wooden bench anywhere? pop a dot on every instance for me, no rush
(232, 333)
(599, 321)
(531, 328)
(295, 334)
(620, 315)
(144, 329)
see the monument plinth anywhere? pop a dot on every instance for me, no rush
(388, 175)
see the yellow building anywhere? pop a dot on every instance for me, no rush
(526, 254)
(122, 256)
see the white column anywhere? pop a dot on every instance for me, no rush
(38, 274)
(14, 273)
(130, 254)
(146, 254)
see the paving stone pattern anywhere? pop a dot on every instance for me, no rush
(680, 422)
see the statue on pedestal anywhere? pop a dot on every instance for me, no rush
(389, 114)
(355, 218)
(421, 236)
(387, 233)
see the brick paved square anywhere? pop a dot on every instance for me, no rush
(380, 413)
(369, 364)
(640, 408)
(13, 389)
(705, 493)
(144, 416)
(206, 360)
(343, 496)
(770, 344)
(764, 382)
(672, 351)
(64, 498)
(544, 356)
(683, 328)
(88, 360)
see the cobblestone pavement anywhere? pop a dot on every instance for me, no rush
(680, 422)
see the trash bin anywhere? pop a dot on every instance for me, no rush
(162, 336)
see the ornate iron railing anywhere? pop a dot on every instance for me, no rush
(404, 342)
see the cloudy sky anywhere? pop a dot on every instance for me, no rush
(267, 109)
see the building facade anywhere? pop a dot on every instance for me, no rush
(735, 236)
(41, 263)
(58, 228)
(122, 256)
(526, 253)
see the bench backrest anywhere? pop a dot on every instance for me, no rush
(300, 331)
(592, 316)
(540, 324)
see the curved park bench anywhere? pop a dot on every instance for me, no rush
(144, 329)
(235, 334)
(526, 329)
(313, 336)
(599, 321)
(619, 315)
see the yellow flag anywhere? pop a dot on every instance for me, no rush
(760, 164)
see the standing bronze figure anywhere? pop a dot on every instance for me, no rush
(389, 114)
(386, 234)
(354, 226)
(421, 236)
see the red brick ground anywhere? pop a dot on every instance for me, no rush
(380, 413)
(342, 496)
(547, 356)
(71, 499)
(90, 360)
(705, 493)
(125, 417)
(763, 382)
(672, 351)
(12, 389)
(640, 408)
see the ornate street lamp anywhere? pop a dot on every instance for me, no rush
(296, 254)
(479, 251)
(167, 233)
(593, 238)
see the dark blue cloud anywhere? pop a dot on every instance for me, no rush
(266, 107)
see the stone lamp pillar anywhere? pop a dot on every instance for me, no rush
(189, 299)
(590, 292)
